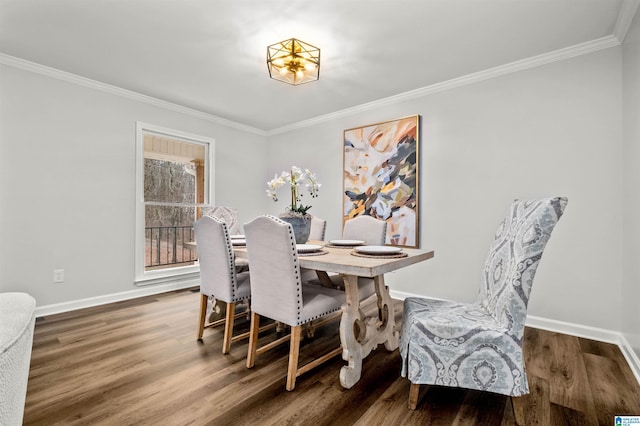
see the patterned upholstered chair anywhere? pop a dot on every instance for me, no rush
(218, 277)
(479, 345)
(228, 215)
(277, 292)
(366, 228)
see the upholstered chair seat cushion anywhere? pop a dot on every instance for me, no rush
(318, 301)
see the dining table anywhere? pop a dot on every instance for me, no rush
(359, 333)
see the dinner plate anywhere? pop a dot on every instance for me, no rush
(237, 237)
(378, 250)
(347, 242)
(239, 242)
(308, 248)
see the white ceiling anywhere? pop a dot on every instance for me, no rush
(209, 55)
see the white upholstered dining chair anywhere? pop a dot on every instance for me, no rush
(277, 292)
(228, 215)
(366, 228)
(318, 229)
(479, 345)
(218, 276)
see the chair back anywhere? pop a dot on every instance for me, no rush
(276, 287)
(228, 215)
(215, 254)
(513, 259)
(366, 228)
(318, 228)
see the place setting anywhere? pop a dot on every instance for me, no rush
(310, 250)
(378, 252)
(345, 244)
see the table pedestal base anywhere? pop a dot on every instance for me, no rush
(359, 335)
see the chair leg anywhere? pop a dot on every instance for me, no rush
(203, 314)
(294, 352)
(253, 339)
(518, 409)
(228, 327)
(414, 391)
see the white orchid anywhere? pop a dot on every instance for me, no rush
(295, 178)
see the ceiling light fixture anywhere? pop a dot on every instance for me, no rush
(293, 61)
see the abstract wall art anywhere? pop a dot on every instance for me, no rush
(381, 171)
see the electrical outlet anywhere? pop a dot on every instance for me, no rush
(58, 275)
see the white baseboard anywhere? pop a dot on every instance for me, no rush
(587, 332)
(115, 297)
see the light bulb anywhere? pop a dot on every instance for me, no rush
(309, 66)
(299, 74)
(283, 71)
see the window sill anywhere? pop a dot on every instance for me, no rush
(179, 276)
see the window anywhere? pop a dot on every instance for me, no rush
(174, 178)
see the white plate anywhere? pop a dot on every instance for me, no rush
(347, 242)
(237, 237)
(378, 250)
(238, 242)
(308, 248)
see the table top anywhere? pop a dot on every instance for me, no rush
(341, 260)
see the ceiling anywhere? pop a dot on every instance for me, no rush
(209, 55)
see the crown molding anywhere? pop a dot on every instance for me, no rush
(521, 65)
(625, 17)
(124, 93)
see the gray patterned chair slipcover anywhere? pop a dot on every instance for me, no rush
(479, 345)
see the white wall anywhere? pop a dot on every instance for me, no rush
(67, 183)
(551, 130)
(630, 309)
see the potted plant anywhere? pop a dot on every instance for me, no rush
(297, 213)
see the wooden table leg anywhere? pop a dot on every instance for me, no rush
(351, 351)
(387, 330)
(359, 335)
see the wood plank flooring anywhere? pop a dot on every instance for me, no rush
(138, 363)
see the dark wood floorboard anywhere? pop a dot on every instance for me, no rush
(138, 363)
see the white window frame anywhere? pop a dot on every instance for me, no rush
(158, 276)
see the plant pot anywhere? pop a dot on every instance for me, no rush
(301, 227)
